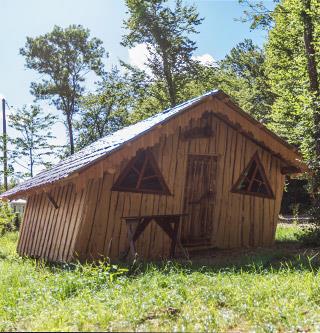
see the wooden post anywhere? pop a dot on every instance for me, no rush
(4, 133)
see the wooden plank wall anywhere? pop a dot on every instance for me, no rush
(48, 232)
(87, 224)
(239, 220)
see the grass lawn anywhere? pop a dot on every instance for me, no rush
(269, 290)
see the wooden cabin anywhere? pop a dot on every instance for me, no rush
(203, 174)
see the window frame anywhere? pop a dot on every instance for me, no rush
(148, 157)
(255, 158)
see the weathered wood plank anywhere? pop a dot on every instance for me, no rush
(87, 223)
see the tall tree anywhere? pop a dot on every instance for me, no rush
(293, 58)
(33, 136)
(64, 57)
(308, 11)
(106, 110)
(165, 31)
(292, 64)
(244, 77)
(149, 96)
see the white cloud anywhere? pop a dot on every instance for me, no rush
(205, 59)
(138, 56)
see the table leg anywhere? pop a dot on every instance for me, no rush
(132, 226)
(174, 237)
(165, 224)
(135, 229)
(143, 223)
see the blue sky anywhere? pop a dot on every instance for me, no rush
(20, 18)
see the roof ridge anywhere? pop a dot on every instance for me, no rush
(106, 145)
(194, 99)
(100, 148)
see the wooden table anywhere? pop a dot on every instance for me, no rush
(137, 224)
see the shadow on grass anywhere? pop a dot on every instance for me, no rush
(287, 254)
(284, 256)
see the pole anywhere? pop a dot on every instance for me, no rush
(5, 157)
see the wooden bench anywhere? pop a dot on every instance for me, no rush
(137, 224)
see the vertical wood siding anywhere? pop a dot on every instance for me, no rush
(238, 220)
(48, 232)
(88, 225)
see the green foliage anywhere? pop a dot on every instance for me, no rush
(10, 170)
(310, 236)
(33, 135)
(286, 67)
(241, 74)
(287, 71)
(289, 233)
(292, 63)
(8, 219)
(63, 57)
(147, 97)
(296, 193)
(122, 97)
(165, 31)
(151, 101)
(258, 14)
(244, 77)
(106, 110)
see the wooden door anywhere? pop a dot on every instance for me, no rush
(199, 198)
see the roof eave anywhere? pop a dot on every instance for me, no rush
(298, 164)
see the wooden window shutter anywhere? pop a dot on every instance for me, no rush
(253, 180)
(142, 175)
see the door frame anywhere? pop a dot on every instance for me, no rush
(218, 156)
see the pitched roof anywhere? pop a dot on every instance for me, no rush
(106, 145)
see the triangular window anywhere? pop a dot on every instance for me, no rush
(142, 175)
(253, 180)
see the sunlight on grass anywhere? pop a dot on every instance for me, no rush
(8, 245)
(269, 294)
(288, 232)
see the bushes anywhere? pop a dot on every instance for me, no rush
(296, 197)
(9, 221)
(310, 236)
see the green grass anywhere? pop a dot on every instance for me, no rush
(288, 232)
(266, 290)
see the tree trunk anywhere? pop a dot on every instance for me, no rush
(308, 35)
(169, 80)
(31, 162)
(171, 89)
(70, 132)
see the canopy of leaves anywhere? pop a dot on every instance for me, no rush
(241, 74)
(165, 31)
(288, 76)
(244, 74)
(64, 57)
(106, 110)
(33, 137)
(258, 14)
